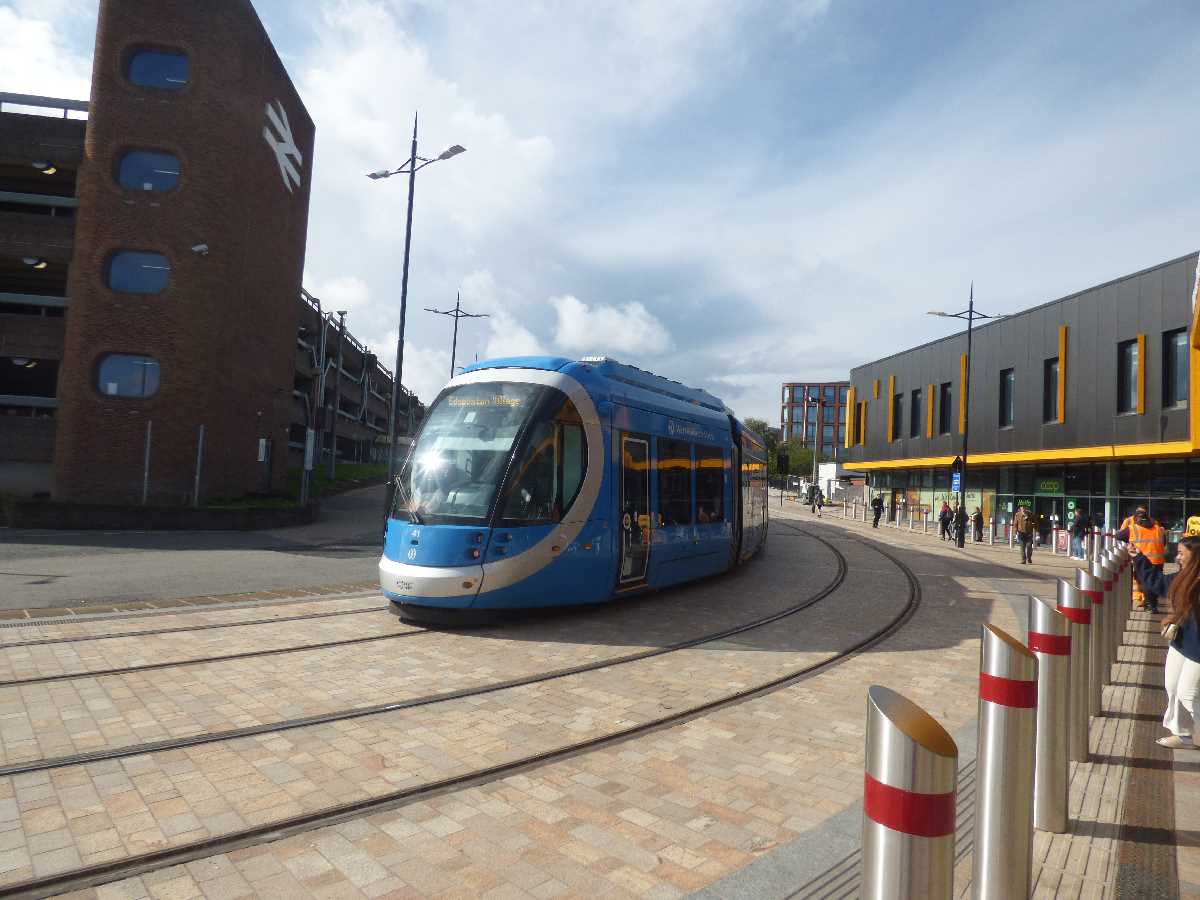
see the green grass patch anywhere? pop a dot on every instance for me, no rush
(348, 476)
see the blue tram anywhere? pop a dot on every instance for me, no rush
(544, 481)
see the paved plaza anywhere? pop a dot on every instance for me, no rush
(644, 749)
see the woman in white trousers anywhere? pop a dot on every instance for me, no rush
(1182, 627)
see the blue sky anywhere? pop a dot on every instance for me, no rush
(733, 194)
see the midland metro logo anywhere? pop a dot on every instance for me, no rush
(278, 135)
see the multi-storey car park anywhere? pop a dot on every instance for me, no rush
(1080, 405)
(151, 250)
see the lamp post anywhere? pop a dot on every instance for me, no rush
(969, 315)
(457, 313)
(410, 169)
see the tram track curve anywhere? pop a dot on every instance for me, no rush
(277, 620)
(179, 663)
(116, 870)
(427, 700)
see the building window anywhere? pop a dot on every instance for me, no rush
(844, 393)
(1127, 369)
(914, 415)
(136, 272)
(1175, 368)
(827, 435)
(1007, 397)
(945, 408)
(831, 394)
(897, 416)
(148, 170)
(830, 414)
(164, 69)
(122, 375)
(675, 482)
(810, 415)
(1050, 390)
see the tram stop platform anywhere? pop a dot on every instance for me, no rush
(1134, 808)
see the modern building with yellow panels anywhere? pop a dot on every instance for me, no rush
(1080, 405)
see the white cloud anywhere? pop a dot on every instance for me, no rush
(598, 329)
(35, 55)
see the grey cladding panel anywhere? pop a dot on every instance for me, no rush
(1152, 302)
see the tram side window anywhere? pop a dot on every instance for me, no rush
(548, 472)
(710, 484)
(675, 482)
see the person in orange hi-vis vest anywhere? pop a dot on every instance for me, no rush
(1149, 539)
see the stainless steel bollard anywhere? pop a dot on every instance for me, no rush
(991, 531)
(1054, 541)
(1108, 576)
(908, 801)
(1010, 534)
(1112, 559)
(1004, 767)
(1050, 641)
(1076, 605)
(1093, 588)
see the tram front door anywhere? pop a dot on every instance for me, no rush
(635, 509)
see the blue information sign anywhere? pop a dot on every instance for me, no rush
(955, 482)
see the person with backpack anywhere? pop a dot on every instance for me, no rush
(977, 525)
(1023, 525)
(1182, 628)
(945, 517)
(877, 509)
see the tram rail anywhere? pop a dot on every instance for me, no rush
(136, 865)
(274, 620)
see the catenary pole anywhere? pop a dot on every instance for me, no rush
(962, 487)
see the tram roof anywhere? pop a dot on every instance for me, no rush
(612, 370)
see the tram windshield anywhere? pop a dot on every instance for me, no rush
(467, 445)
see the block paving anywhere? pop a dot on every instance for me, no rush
(658, 815)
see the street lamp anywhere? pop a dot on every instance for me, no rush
(969, 315)
(410, 169)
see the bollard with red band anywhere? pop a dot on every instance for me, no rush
(1093, 587)
(1108, 575)
(1112, 559)
(1076, 605)
(1004, 767)
(1050, 641)
(908, 801)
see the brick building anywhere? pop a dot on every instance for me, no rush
(151, 250)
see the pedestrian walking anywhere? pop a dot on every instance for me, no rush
(944, 519)
(977, 523)
(1150, 540)
(960, 524)
(877, 509)
(818, 501)
(1079, 530)
(1022, 525)
(1182, 628)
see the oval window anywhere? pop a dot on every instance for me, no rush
(124, 375)
(148, 170)
(136, 272)
(163, 69)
